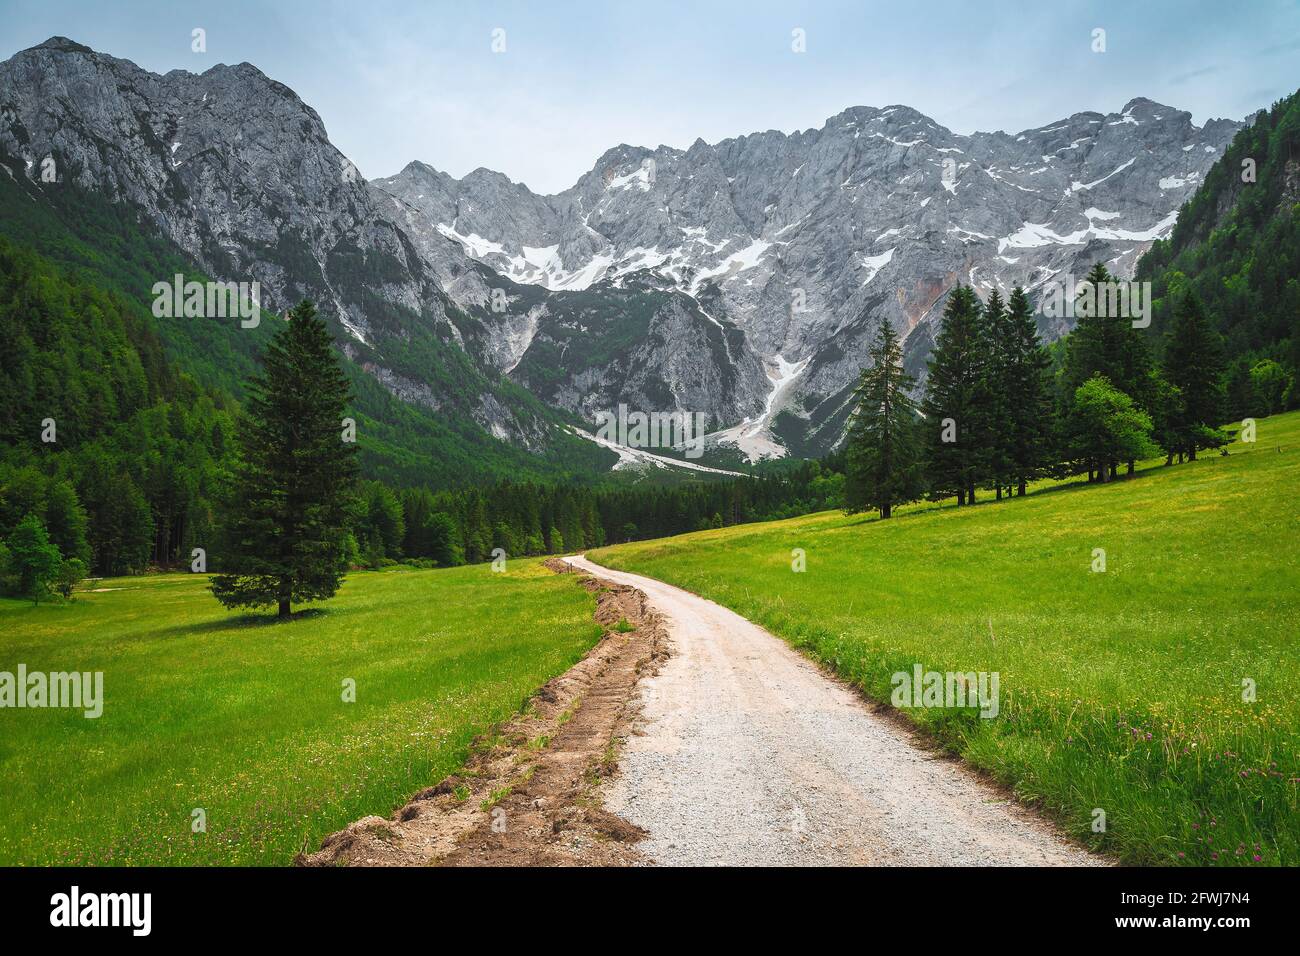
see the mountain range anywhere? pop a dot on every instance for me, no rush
(739, 279)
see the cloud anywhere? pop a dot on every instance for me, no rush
(1286, 47)
(1193, 74)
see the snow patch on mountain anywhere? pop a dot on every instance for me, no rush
(873, 264)
(752, 436)
(640, 459)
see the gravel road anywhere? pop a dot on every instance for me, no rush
(750, 755)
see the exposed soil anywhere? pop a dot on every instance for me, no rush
(530, 794)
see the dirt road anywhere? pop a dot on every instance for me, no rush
(750, 755)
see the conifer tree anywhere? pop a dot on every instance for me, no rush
(65, 520)
(956, 405)
(995, 325)
(287, 512)
(1104, 342)
(1166, 416)
(1095, 346)
(1194, 365)
(1027, 390)
(883, 451)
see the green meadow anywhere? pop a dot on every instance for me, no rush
(244, 718)
(1125, 692)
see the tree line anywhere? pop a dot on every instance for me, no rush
(147, 468)
(1000, 409)
(466, 525)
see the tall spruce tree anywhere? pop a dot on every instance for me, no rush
(1027, 389)
(955, 405)
(1096, 345)
(883, 460)
(996, 397)
(288, 505)
(1195, 366)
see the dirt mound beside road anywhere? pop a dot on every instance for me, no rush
(530, 793)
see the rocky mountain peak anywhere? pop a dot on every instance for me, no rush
(805, 241)
(62, 45)
(741, 279)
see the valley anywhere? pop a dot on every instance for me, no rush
(1112, 691)
(889, 488)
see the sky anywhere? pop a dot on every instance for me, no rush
(568, 80)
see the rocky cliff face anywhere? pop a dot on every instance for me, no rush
(239, 173)
(739, 279)
(804, 242)
(233, 166)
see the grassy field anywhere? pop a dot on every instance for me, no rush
(244, 717)
(1120, 690)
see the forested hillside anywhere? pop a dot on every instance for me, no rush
(1237, 246)
(107, 245)
(104, 440)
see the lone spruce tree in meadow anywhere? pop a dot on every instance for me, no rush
(883, 451)
(286, 515)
